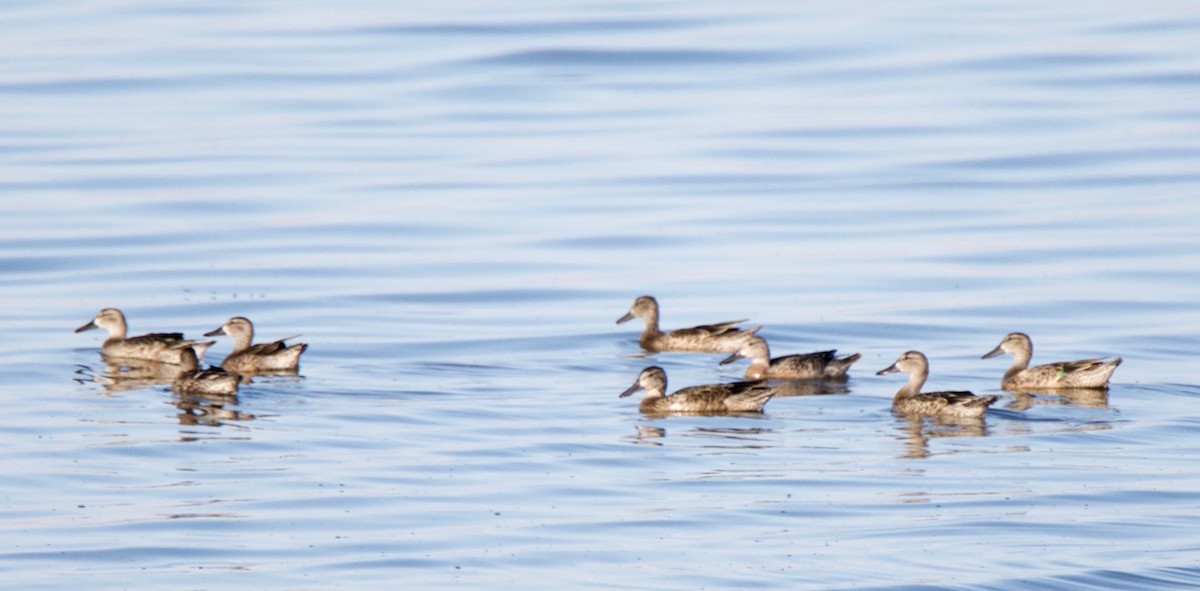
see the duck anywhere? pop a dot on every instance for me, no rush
(722, 337)
(213, 381)
(733, 397)
(1085, 373)
(911, 401)
(159, 347)
(247, 358)
(807, 366)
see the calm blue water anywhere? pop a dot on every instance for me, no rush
(454, 203)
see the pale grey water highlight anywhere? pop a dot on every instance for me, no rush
(453, 204)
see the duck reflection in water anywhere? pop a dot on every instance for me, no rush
(1080, 397)
(725, 437)
(787, 388)
(649, 434)
(918, 430)
(120, 375)
(208, 410)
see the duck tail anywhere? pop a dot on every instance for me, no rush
(839, 367)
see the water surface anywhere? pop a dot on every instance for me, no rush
(453, 205)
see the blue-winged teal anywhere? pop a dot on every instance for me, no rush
(808, 366)
(723, 337)
(160, 347)
(247, 358)
(213, 381)
(1085, 373)
(707, 399)
(911, 401)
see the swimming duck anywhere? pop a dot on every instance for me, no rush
(808, 366)
(246, 358)
(723, 337)
(1085, 373)
(706, 399)
(911, 401)
(214, 381)
(159, 347)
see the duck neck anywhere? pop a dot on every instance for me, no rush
(653, 395)
(651, 330)
(760, 360)
(915, 381)
(1021, 360)
(757, 371)
(242, 341)
(117, 331)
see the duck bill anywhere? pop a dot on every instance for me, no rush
(626, 318)
(88, 326)
(631, 390)
(220, 330)
(730, 359)
(887, 370)
(994, 352)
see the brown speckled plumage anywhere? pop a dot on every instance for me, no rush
(1085, 373)
(706, 399)
(807, 366)
(248, 358)
(722, 337)
(211, 381)
(159, 347)
(911, 401)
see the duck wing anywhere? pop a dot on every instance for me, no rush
(718, 398)
(265, 349)
(959, 398)
(171, 340)
(719, 329)
(1084, 365)
(813, 363)
(1084, 373)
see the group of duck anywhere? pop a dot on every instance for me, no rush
(182, 357)
(751, 395)
(247, 359)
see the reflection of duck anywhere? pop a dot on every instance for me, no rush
(209, 409)
(919, 430)
(706, 399)
(648, 434)
(723, 337)
(808, 366)
(1081, 397)
(248, 358)
(911, 401)
(809, 388)
(214, 380)
(161, 347)
(1085, 373)
(128, 374)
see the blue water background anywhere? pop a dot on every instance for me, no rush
(452, 204)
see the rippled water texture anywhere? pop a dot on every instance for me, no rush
(453, 203)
